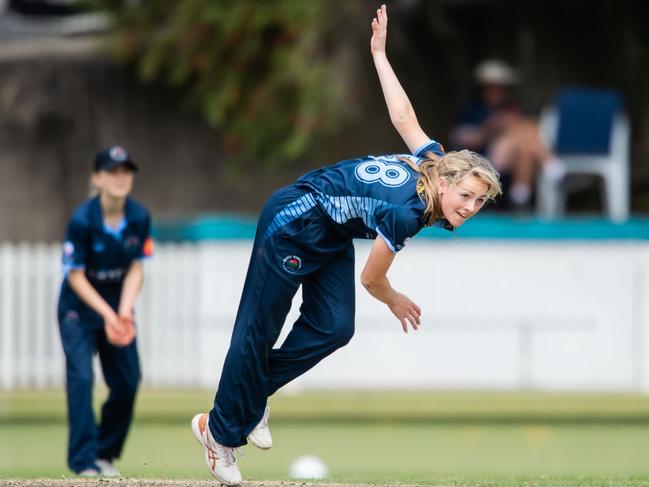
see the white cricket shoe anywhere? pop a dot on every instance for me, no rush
(88, 472)
(220, 459)
(107, 469)
(260, 436)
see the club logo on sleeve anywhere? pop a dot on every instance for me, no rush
(132, 241)
(68, 249)
(292, 263)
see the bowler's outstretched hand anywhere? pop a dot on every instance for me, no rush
(379, 30)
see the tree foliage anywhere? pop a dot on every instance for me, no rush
(259, 71)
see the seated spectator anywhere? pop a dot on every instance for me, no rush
(496, 126)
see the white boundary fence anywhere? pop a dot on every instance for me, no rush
(497, 315)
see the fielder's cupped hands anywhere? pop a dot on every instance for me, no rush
(127, 322)
(120, 329)
(379, 31)
(406, 311)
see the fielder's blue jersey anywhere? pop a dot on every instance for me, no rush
(105, 254)
(366, 197)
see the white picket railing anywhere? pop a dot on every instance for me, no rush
(497, 315)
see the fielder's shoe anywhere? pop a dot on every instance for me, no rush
(88, 472)
(107, 469)
(260, 436)
(220, 459)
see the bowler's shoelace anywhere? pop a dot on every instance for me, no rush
(226, 455)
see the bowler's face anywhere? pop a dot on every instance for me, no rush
(462, 200)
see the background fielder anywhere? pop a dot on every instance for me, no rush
(106, 239)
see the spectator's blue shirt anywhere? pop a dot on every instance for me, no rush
(370, 196)
(104, 253)
(474, 113)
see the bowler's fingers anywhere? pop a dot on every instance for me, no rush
(416, 316)
(382, 16)
(414, 313)
(411, 320)
(414, 322)
(417, 312)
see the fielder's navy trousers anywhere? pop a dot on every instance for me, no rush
(88, 441)
(306, 251)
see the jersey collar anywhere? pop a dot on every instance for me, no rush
(96, 218)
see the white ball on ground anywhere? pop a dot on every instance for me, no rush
(308, 467)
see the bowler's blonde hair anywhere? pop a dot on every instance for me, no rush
(453, 167)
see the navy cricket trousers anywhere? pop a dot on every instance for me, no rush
(88, 441)
(303, 248)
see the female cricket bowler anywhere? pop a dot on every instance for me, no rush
(304, 237)
(106, 240)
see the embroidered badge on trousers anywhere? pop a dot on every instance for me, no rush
(292, 263)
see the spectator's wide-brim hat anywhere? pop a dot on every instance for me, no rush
(496, 72)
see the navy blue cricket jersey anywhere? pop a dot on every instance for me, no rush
(366, 197)
(105, 253)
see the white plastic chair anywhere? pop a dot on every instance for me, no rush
(588, 132)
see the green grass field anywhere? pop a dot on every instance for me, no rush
(423, 438)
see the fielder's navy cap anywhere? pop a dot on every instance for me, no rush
(112, 157)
